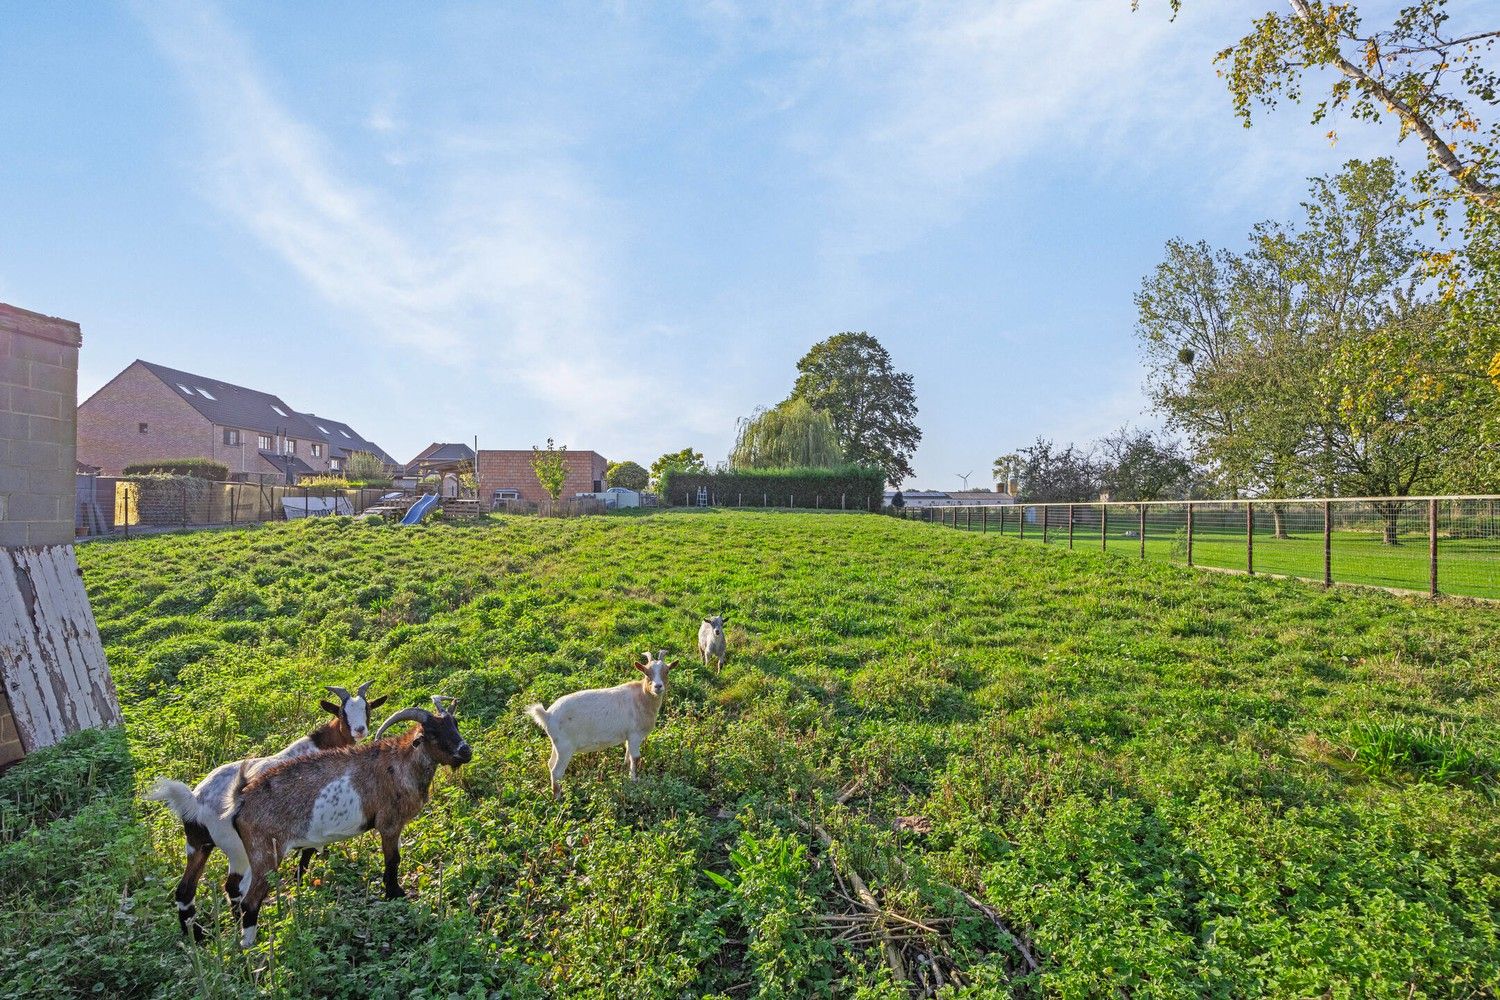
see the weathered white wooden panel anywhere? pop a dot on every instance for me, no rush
(51, 660)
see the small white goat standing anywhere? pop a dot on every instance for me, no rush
(711, 640)
(599, 718)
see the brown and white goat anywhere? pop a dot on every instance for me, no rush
(315, 801)
(600, 718)
(203, 809)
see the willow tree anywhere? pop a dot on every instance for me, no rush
(791, 434)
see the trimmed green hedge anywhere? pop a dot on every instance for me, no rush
(849, 487)
(202, 468)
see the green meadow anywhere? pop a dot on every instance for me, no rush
(1054, 774)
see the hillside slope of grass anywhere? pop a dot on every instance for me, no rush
(1167, 784)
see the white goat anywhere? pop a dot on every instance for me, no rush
(599, 718)
(202, 809)
(711, 640)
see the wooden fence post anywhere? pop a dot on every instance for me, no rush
(984, 522)
(1143, 531)
(1190, 533)
(1249, 538)
(1104, 527)
(1432, 579)
(1327, 544)
(1070, 526)
(1021, 524)
(1044, 524)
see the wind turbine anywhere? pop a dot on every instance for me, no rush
(965, 477)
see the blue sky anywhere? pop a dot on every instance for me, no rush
(619, 225)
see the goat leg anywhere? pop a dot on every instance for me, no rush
(390, 843)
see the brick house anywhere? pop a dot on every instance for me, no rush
(511, 470)
(149, 412)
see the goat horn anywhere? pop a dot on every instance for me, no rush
(364, 689)
(343, 693)
(438, 700)
(414, 714)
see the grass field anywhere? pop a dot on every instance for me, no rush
(1166, 783)
(1467, 567)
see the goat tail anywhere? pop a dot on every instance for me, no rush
(237, 792)
(539, 715)
(178, 797)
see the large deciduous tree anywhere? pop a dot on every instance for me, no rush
(791, 434)
(873, 407)
(1288, 366)
(1415, 65)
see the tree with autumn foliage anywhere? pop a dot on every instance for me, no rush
(1434, 80)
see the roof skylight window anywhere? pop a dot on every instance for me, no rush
(206, 394)
(278, 409)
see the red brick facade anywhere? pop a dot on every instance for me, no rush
(512, 470)
(110, 437)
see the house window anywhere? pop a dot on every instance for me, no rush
(291, 446)
(263, 442)
(231, 436)
(317, 451)
(143, 428)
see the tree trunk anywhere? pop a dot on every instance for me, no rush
(1278, 518)
(1390, 514)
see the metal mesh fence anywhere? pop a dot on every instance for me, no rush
(119, 505)
(1427, 544)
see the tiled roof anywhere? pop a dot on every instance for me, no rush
(438, 452)
(343, 439)
(230, 405)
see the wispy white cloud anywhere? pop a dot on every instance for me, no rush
(503, 268)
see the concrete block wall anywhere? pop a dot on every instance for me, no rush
(512, 470)
(38, 426)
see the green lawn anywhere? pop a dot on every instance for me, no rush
(1467, 567)
(1167, 783)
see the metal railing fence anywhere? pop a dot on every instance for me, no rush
(1432, 544)
(120, 505)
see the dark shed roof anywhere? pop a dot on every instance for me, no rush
(230, 405)
(344, 439)
(438, 453)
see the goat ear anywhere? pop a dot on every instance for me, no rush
(377, 702)
(708, 621)
(671, 666)
(643, 668)
(329, 707)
